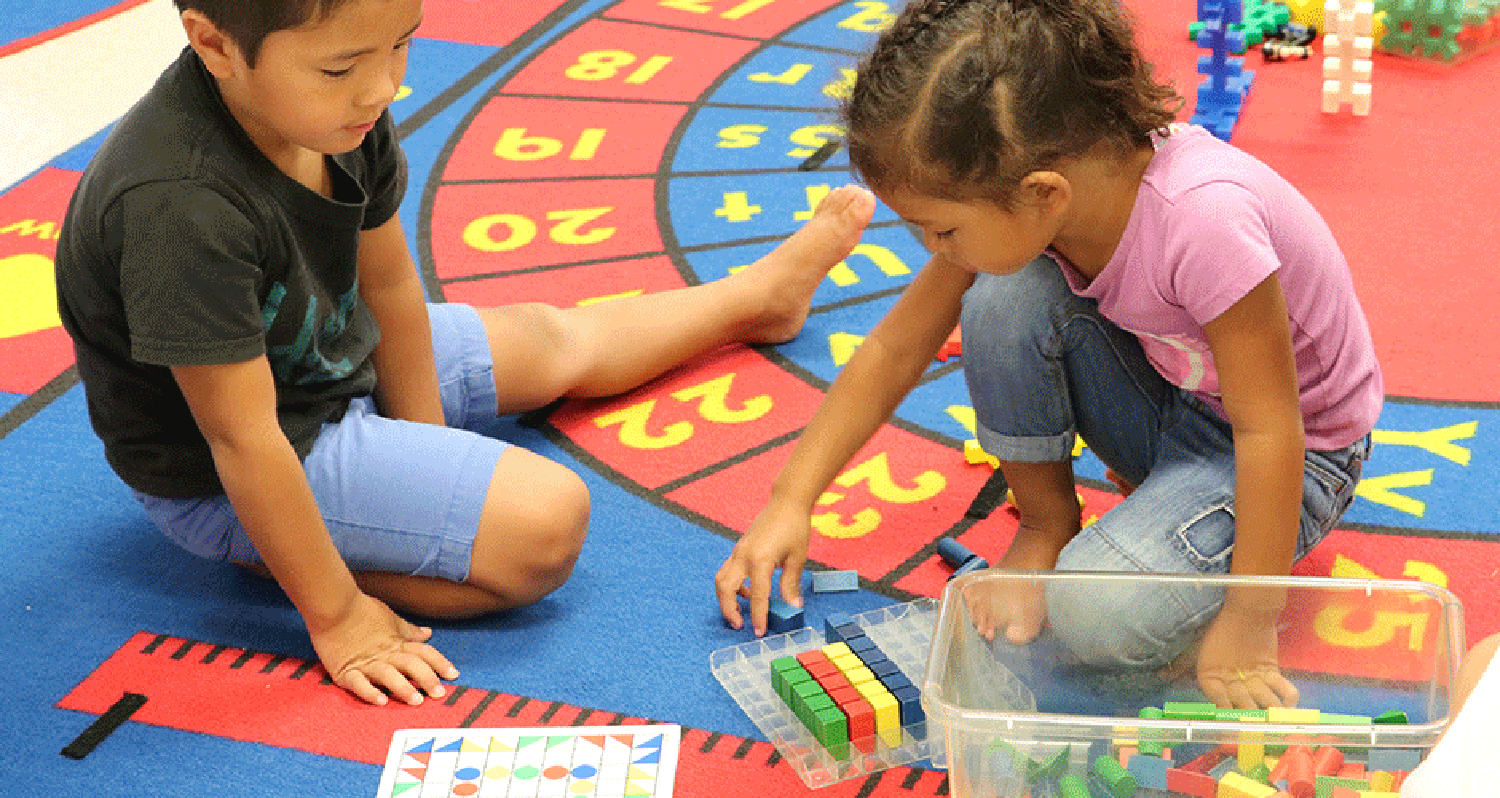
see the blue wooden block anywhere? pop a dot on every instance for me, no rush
(863, 647)
(783, 617)
(837, 627)
(1393, 759)
(895, 681)
(1149, 771)
(910, 700)
(835, 581)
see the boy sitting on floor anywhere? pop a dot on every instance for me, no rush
(267, 377)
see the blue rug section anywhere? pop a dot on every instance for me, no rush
(24, 18)
(632, 630)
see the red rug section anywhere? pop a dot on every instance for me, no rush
(1405, 194)
(30, 220)
(282, 701)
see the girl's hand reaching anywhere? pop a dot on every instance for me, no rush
(777, 538)
(1237, 665)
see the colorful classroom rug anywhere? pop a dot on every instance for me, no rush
(572, 151)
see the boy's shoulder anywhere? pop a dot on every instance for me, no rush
(175, 132)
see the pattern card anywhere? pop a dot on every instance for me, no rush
(579, 762)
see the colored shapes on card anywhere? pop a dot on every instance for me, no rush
(465, 790)
(555, 772)
(585, 772)
(468, 774)
(527, 773)
(498, 772)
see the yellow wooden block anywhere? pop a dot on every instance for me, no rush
(1238, 785)
(835, 650)
(847, 662)
(859, 675)
(1382, 780)
(974, 454)
(1250, 755)
(1292, 715)
(1306, 12)
(887, 717)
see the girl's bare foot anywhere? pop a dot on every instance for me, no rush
(1019, 610)
(786, 278)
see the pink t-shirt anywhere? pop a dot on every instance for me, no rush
(1211, 223)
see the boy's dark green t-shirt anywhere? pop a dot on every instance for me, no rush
(184, 245)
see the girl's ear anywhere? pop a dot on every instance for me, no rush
(1046, 192)
(218, 51)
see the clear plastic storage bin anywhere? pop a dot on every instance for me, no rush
(1006, 719)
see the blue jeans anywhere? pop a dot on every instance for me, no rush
(1043, 366)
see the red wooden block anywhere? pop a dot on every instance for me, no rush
(1398, 777)
(844, 695)
(812, 657)
(1353, 770)
(1327, 761)
(861, 724)
(1187, 782)
(953, 347)
(1208, 761)
(821, 670)
(832, 682)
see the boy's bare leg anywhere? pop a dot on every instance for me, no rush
(543, 353)
(536, 512)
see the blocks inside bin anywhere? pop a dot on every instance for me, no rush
(1357, 689)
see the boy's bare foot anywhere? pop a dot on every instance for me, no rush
(787, 277)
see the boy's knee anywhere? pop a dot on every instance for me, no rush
(541, 542)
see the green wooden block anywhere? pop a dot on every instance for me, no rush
(1240, 714)
(1189, 710)
(1393, 716)
(1053, 767)
(1072, 786)
(1352, 720)
(786, 671)
(1323, 785)
(1120, 782)
(831, 728)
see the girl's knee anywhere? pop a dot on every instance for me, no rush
(1121, 624)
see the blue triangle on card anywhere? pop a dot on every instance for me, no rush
(650, 759)
(424, 748)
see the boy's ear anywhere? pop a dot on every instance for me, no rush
(218, 51)
(1046, 192)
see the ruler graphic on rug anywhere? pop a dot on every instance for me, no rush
(590, 761)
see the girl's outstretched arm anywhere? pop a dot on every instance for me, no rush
(1252, 349)
(881, 373)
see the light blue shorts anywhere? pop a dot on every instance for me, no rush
(396, 496)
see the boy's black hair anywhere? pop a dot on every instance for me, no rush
(963, 98)
(249, 22)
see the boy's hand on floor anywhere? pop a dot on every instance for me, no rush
(373, 652)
